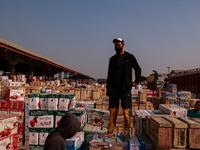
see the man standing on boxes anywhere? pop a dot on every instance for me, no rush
(119, 84)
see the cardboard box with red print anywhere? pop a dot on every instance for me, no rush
(175, 110)
(59, 115)
(41, 119)
(8, 124)
(9, 142)
(43, 102)
(14, 94)
(52, 101)
(64, 100)
(98, 117)
(33, 137)
(34, 102)
(43, 133)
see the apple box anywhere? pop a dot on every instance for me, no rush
(33, 136)
(16, 94)
(98, 117)
(59, 115)
(41, 119)
(8, 124)
(169, 95)
(43, 133)
(175, 110)
(34, 102)
(3, 105)
(94, 129)
(46, 120)
(9, 142)
(75, 142)
(183, 96)
(52, 101)
(43, 102)
(87, 105)
(64, 101)
(81, 115)
(72, 102)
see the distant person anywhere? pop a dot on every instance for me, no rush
(154, 83)
(195, 113)
(119, 85)
(68, 127)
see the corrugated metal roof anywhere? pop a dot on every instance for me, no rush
(37, 55)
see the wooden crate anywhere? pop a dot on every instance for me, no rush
(90, 93)
(120, 130)
(71, 91)
(161, 132)
(146, 106)
(83, 94)
(105, 105)
(103, 92)
(132, 133)
(193, 133)
(96, 94)
(77, 94)
(179, 132)
(99, 105)
(155, 101)
(120, 121)
(142, 96)
(148, 122)
(134, 106)
(196, 119)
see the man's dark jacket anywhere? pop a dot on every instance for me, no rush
(130, 63)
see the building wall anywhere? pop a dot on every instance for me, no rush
(187, 82)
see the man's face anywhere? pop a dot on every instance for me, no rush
(197, 105)
(119, 44)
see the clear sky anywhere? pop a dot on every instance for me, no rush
(79, 33)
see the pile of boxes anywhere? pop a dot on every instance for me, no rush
(8, 132)
(177, 98)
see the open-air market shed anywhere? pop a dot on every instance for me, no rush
(16, 59)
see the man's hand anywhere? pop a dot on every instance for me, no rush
(133, 84)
